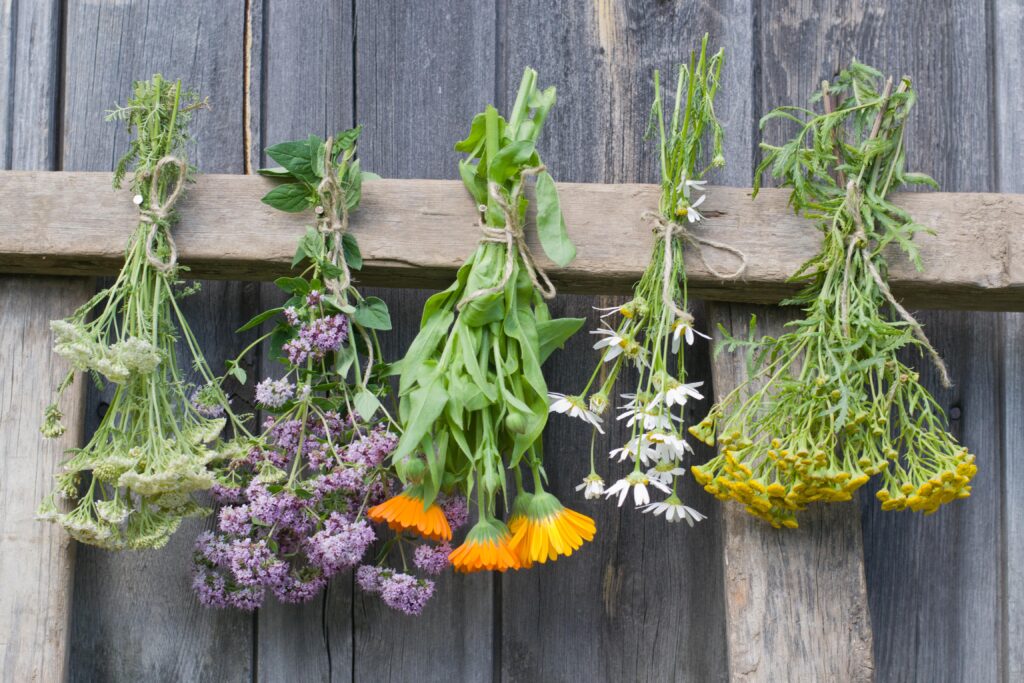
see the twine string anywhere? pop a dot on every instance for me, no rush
(668, 230)
(513, 238)
(158, 212)
(858, 240)
(333, 220)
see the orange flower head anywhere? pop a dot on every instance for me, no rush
(485, 549)
(408, 511)
(548, 529)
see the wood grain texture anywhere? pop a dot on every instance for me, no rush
(796, 600)
(36, 559)
(135, 617)
(311, 641)
(642, 602)
(1009, 137)
(417, 233)
(934, 582)
(422, 71)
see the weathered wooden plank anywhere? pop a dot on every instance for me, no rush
(423, 71)
(417, 232)
(36, 559)
(1009, 137)
(312, 641)
(643, 601)
(933, 581)
(796, 600)
(135, 617)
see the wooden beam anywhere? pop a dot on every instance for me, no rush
(417, 232)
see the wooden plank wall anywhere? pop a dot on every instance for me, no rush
(644, 602)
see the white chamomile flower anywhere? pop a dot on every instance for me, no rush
(651, 417)
(610, 340)
(682, 328)
(665, 471)
(573, 406)
(638, 481)
(679, 394)
(685, 185)
(592, 486)
(637, 448)
(668, 446)
(685, 208)
(675, 511)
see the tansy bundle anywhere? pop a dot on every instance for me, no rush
(832, 403)
(132, 482)
(473, 400)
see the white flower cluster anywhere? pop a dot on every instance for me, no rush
(117, 362)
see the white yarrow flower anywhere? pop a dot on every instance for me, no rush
(573, 406)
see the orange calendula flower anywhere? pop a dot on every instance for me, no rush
(485, 549)
(542, 529)
(408, 512)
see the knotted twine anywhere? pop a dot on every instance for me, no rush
(158, 212)
(514, 240)
(332, 220)
(859, 239)
(668, 230)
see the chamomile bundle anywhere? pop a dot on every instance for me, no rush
(832, 403)
(654, 328)
(131, 485)
(473, 400)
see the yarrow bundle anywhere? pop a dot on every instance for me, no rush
(473, 398)
(655, 327)
(294, 505)
(159, 437)
(832, 404)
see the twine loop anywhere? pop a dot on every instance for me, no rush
(858, 239)
(512, 236)
(158, 212)
(668, 230)
(332, 219)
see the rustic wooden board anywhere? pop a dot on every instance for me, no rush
(933, 581)
(135, 617)
(422, 71)
(36, 559)
(796, 600)
(417, 232)
(1009, 135)
(311, 641)
(643, 601)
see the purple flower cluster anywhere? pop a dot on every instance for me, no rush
(274, 393)
(403, 592)
(289, 540)
(456, 511)
(317, 338)
(432, 559)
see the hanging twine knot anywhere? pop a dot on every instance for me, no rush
(158, 212)
(514, 240)
(332, 219)
(858, 239)
(668, 230)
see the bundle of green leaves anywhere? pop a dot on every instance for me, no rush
(654, 324)
(831, 402)
(473, 399)
(160, 436)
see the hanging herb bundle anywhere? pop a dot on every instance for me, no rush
(159, 437)
(654, 324)
(832, 404)
(473, 398)
(294, 506)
